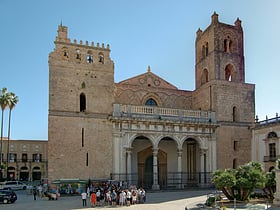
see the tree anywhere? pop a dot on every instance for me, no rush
(270, 184)
(3, 104)
(12, 101)
(240, 183)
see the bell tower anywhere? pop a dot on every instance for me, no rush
(221, 87)
(219, 53)
(81, 96)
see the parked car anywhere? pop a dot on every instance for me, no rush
(7, 196)
(13, 185)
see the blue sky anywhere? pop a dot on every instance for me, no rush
(159, 33)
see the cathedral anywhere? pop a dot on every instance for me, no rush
(143, 130)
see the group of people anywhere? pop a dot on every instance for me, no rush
(113, 195)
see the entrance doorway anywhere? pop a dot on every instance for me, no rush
(145, 168)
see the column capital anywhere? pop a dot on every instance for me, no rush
(155, 151)
(180, 152)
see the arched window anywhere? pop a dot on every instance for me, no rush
(65, 54)
(78, 54)
(82, 102)
(89, 57)
(101, 58)
(229, 73)
(204, 77)
(272, 134)
(151, 102)
(227, 45)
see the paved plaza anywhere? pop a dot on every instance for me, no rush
(155, 201)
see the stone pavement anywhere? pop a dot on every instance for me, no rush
(155, 201)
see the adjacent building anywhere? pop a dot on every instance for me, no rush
(265, 142)
(26, 160)
(144, 130)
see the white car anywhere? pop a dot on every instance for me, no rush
(13, 185)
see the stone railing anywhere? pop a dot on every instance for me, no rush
(121, 110)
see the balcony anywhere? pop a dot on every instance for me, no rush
(270, 158)
(159, 113)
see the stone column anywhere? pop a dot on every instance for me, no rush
(128, 152)
(202, 166)
(179, 153)
(155, 170)
(117, 152)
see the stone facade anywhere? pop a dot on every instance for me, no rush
(28, 159)
(266, 142)
(144, 130)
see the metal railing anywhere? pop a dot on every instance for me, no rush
(270, 158)
(170, 180)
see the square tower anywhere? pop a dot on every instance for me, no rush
(220, 87)
(81, 95)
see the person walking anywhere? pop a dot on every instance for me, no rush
(84, 198)
(93, 199)
(34, 193)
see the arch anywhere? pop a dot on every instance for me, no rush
(65, 53)
(89, 57)
(78, 54)
(152, 96)
(272, 134)
(150, 102)
(24, 168)
(204, 76)
(101, 58)
(230, 74)
(36, 168)
(82, 102)
(140, 137)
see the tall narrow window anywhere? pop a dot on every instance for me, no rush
(235, 145)
(203, 51)
(83, 137)
(204, 77)
(234, 114)
(272, 150)
(87, 159)
(82, 102)
(101, 58)
(234, 164)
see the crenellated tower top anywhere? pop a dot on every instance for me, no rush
(79, 52)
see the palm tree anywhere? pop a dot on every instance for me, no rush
(12, 101)
(3, 104)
